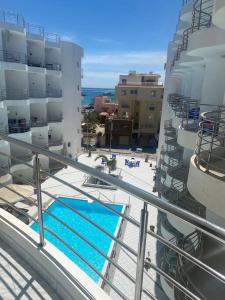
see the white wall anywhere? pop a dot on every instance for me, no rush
(71, 79)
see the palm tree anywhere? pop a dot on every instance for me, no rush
(110, 163)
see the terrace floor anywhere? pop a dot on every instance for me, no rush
(18, 280)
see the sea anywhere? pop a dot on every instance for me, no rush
(90, 93)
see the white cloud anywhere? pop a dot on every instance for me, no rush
(106, 41)
(125, 58)
(103, 70)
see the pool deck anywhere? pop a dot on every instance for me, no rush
(141, 177)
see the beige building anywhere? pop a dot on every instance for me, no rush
(140, 99)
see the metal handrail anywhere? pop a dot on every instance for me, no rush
(35, 29)
(11, 18)
(211, 142)
(203, 225)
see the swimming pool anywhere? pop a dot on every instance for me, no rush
(95, 212)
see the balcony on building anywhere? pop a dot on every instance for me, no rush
(12, 21)
(16, 85)
(35, 32)
(53, 86)
(38, 114)
(52, 60)
(52, 40)
(18, 119)
(54, 112)
(55, 136)
(13, 49)
(37, 85)
(36, 52)
(208, 163)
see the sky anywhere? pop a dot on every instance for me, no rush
(117, 35)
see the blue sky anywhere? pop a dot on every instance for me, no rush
(117, 35)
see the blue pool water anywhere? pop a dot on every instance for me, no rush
(95, 212)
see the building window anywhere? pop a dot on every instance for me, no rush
(78, 131)
(135, 91)
(131, 91)
(151, 107)
(78, 65)
(124, 81)
(124, 92)
(153, 93)
(68, 144)
(78, 87)
(78, 109)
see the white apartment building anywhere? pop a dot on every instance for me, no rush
(40, 92)
(191, 153)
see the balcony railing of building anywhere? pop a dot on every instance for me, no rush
(142, 83)
(35, 29)
(55, 142)
(52, 37)
(36, 122)
(2, 94)
(185, 2)
(22, 159)
(54, 93)
(210, 150)
(13, 56)
(37, 93)
(18, 125)
(55, 118)
(53, 66)
(17, 94)
(201, 18)
(138, 253)
(11, 18)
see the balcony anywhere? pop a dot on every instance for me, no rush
(37, 93)
(54, 93)
(13, 56)
(52, 39)
(208, 163)
(16, 94)
(53, 66)
(18, 126)
(8, 17)
(55, 119)
(20, 159)
(2, 95)
(53, 142)
(36, 122)
(35, 31)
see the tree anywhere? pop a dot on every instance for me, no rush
(110, 163)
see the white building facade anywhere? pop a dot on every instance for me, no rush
(40, 92)
(191, 152)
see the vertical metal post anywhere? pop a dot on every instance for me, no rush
(110, 139)
(141, 252)
(39, 198)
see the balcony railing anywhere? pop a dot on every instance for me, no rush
(35, 29)
(35, 122)
(17, 94)
(54, 93)
(55, 119)
(37, 62)
(210, 150)
(20, 159)
(52, 142)
(202, 18)
(2, 94)
(53, 66)
(18, 126)
(137, 253)
(37, 93)
(13, 56)
(52, 38)
(11, 18)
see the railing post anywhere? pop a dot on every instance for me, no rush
(141, 252)
(39, 197)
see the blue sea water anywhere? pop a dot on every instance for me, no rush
(90, 93)
(93, 211)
